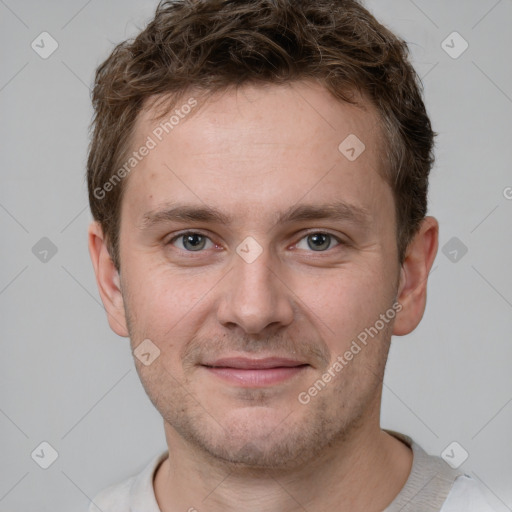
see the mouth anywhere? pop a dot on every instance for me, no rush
(249, 372)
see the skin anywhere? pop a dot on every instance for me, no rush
(253, 152)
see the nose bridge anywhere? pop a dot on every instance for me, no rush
(254, 296)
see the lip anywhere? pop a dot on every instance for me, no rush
(247, 372)
(246, 363)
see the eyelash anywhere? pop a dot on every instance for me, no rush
(314, 232)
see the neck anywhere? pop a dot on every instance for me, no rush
(338, 480)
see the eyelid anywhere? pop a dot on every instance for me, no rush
(325, 232)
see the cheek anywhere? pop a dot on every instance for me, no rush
(162, 298)
(347, 301)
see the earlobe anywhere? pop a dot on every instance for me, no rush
(107, 280)
(412, 291)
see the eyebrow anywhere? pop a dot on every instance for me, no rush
(179, 212)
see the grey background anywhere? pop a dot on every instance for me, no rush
(68, 380)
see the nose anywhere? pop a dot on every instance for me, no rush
(255, 297)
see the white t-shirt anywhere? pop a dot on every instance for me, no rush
(432, 486)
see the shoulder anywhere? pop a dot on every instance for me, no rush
(133, 492)
(466, 496)
(115, 498)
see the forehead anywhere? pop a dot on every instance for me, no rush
(305, 107)
(256, 147)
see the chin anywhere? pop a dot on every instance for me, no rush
(269, 453)
(257, 437)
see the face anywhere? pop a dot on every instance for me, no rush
(251, 307)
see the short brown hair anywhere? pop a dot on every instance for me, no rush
(214, 44)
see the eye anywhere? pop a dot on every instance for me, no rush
(192, 241)
(319, 241)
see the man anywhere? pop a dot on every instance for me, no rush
(258, 176)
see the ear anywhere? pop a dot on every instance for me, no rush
(412, 290)
(107, 279)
